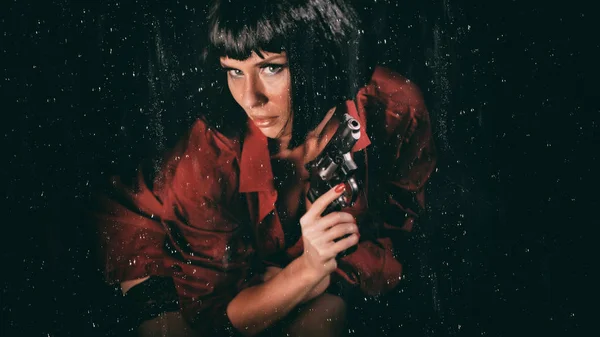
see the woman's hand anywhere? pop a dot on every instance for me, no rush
(323, 235)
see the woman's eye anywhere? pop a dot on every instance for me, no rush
(235, 73)
(272, 69)
(232, 72)
(269, 70)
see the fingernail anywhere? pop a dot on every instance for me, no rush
(340, 188)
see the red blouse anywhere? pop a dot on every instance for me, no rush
(210, 219)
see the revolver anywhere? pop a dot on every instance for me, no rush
(334, 166)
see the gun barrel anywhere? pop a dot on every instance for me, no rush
(347, 134)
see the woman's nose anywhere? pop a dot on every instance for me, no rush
(253, 95)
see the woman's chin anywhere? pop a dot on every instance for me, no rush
(273, 132)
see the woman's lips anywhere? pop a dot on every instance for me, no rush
(264, 122)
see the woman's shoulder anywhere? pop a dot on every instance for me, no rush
(201, 134)
(201, 148)
(394, 91)
(392, 104)
(198, 160)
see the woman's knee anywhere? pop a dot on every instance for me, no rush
(323, 316)
(166, 324)
(333, 307)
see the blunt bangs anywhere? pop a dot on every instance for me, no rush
(240, 28)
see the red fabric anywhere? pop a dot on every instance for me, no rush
(211, 214)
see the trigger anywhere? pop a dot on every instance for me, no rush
(347, 195)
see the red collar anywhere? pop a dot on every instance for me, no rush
(255, 163)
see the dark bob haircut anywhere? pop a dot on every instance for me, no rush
(322, 42)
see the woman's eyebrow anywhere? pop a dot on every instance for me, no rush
(261, 63)
(269, 60)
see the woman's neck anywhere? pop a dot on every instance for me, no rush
(279, 145)
(279, 148)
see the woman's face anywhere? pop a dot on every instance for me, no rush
(262, 87)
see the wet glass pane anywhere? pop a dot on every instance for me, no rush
(97, 89)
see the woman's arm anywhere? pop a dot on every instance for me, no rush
(316, 291)
(258, 307)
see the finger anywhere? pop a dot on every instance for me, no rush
(345, 243)
(338, 231)
(319, 206)
(333, 219)
(321, 225)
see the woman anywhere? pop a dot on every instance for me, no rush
(225, 234)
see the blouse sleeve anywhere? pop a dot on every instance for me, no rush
(189, 225)
(410, 152)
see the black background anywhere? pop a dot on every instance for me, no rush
(509, 84)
